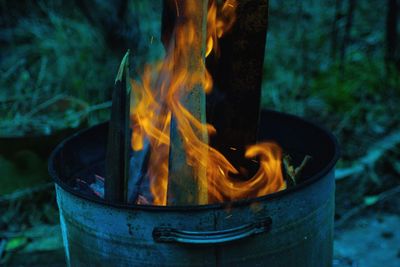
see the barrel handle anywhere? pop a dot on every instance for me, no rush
(171, 235)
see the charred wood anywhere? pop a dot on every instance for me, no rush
(118, 147)
(234, 104)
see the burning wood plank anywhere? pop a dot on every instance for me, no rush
(118, 147)
(185, 186)
(234, 104)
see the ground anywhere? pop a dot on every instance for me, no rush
(370, 238)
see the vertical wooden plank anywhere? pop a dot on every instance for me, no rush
(117, 158)
(234, 104)
(168, 21)
(184, 185)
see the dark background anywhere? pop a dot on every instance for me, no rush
(336, 62)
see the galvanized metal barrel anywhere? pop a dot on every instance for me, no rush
(289, 228)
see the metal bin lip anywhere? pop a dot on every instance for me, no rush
(229, 204)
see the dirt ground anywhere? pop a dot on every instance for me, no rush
(371, 240)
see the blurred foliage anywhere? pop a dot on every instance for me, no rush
(47, 53)
(26, 166)
(56, 49)
(325, 60)
(306, 75)
(50, 53)
(328, 64)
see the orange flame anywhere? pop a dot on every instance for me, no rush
(158, 97)
(219, 21)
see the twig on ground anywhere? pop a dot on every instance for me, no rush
(44, 105)
(373, 155)
(3, 243)
(38, 120)
(15, 98)
(25, 192)
(90, 109)
(372, 200)
(9, 234)
(99, 106)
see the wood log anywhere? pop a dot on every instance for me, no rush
(184, 185)
(234, 104)
(117, 157)
(137, 182)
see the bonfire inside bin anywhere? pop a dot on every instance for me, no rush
(171, 162)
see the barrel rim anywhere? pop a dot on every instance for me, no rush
(228, 204)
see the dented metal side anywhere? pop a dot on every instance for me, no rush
(99, 235)
(299, 233)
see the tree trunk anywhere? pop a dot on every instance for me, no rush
(346, 38)
(392, 53)
(335, 28)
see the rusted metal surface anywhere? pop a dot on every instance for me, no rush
(97, 233)
(301, 232)
(117, 165)
(234, 104)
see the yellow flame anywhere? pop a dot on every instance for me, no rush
(158, 96)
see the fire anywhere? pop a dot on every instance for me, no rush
(157, 100)
(219, 21)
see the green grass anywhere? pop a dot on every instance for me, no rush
(52, 54)
(25, 170)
